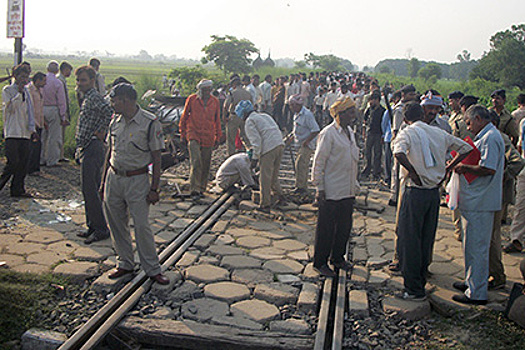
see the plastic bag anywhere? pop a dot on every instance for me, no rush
(453, 191)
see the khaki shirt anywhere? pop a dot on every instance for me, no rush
(236, 96)
(508, 125)
(130, 145)
(459, 128)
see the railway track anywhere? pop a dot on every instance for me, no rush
(100, 324)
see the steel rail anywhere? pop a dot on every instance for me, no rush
(141, 282)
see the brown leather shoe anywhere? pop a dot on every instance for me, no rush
(118, 272)
(160, 279)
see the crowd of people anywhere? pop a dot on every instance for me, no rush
(412, 142)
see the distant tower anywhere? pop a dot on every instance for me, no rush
(258, 62)
(268, 62)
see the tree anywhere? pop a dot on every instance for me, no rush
(430, 70)
(144, 56)
(464, 56)
(413, 67)
(230, 54)
(385, 69)
(188, 77)
(505, 62)
(328, 62)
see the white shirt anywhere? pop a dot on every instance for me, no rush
(329, 100)
(17, 123)
(335, 163)
(251, 89)
(263, 133)
(238, 164)
(409, 142)
(266, 89)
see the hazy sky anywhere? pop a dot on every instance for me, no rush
(365, 32)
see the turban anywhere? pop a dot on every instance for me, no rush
(204, 83)
(298, 99)
(341, 104)
(243, 108)
(431, 100)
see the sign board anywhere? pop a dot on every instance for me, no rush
(15, 18)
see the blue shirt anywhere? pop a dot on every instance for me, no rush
(485, 192)
(386, 127)
(303, 125)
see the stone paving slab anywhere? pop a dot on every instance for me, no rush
(240, 262)
(252, 277)
(78, 271)
(256, 310)
(229, 292)
(252, 242)
(236, 322)
(204, 309)
(276, 293)
(206, 273)
(284, 266)
(268, 253)
(411, 310)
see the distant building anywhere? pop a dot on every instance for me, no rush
(258, 62)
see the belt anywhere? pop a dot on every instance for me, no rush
(129, 172)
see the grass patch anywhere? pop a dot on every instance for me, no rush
(479, 330)
(25, 301)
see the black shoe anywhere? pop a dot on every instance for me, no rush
(410, 297)
(344, 265)
(85, 234)
(95, 237)
(325, 271)
(462, 298)
(496, 286)
(461, 286)
(22, 195)
(392, 203)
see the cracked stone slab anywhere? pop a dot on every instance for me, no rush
(225, 239)
(79, 270)
(301, 255)
(220, 226)
(252, 277)
(284, 266)
(237, 322)
(444, 268)
(181, 223)
(186, 291)
(252, 242)
(24, 248)
(307, 301)
(206, 273)
(378, 277)
(12, 260)
(63, 247)
(263, 225)
(229, 292)
(220, 249)
(44, 236)
(257, 310)
(204, 241)
(240, 232)
(291, 326)
(46, 258)
(309, 271)
(204, 309)
(188, 259)
(410, 310)
(358, 302)
(268, 253)
(276, 293)
(296, 228)
(275, 234)
(93, 254)
(289, 245)
(240, 262)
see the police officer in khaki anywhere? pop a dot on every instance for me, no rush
(135, 141)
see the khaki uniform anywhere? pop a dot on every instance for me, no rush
(508, 125)
(131, 146)
(234, 122)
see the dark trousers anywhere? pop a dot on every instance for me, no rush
(17, 153)
(418, 219)
(278, 115)
(388, 162)
(334, 223)
(373, 154)
(35, 148)
(91, 174)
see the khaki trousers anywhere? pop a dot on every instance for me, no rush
(270, 163)
(125, 196)
(496, 269)
(51, 137)
(517, 230)
(302, 167)
(234, 123)
(200, 159)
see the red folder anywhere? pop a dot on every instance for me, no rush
(472, 159)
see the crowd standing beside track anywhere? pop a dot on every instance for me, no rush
(349, 116)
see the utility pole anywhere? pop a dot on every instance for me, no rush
(15, 26)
